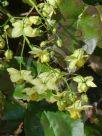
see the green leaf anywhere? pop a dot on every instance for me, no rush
(69, 8)
(89, 25)
(90, 45)
(78, 128)
(41, 67)
(48, 131)
(13, 115)
(58, 124)
(6, 85)
(13, 111)
(92, 130)
(32, 125)
(18, 94)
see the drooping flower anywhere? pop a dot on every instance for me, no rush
(77, 59)
(76, 108)
(46, 81)
(17, 76)
(84, 83)
(42, 55)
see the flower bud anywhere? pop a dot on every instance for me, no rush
(44, 58)
(8, 54)
(84, 98)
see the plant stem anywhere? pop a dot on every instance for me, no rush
(5, 12)
(22, 54)
(28, 42)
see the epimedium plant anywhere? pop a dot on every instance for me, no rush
(39, 80)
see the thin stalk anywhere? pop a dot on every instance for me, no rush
(5, 12)
(28, 42)
(22, 53)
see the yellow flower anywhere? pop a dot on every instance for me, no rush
(76, 59)
(76, 108)
(31, 93)
(42, 55)
(74, 114)
(84, 83)
(46, 81)
(36, 20)
(61, 105)
(17, 76)
(47, 9)
(45, 57)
